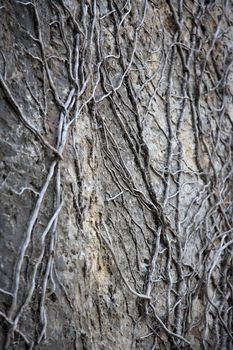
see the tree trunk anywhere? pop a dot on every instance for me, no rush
(116, 174)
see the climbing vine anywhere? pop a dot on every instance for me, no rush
(154, 80)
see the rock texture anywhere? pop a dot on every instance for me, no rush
(116, 174)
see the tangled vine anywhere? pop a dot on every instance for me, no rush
(153, 80)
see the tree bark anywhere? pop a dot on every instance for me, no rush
(116, 174)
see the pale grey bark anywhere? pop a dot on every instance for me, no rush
(116, 174)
